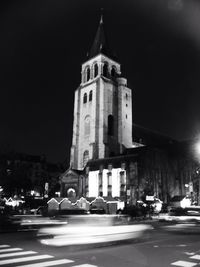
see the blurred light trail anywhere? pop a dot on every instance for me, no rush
(65, 236)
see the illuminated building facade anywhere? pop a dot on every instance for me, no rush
(110, 156)
(102, 107)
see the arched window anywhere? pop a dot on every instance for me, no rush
(71, 192)
(87, 126)
(95, 70)
(105, 69)
(85, 157)
(88, 74)
(113, 71)
(110, 125)
(85, 98)
(90, 96)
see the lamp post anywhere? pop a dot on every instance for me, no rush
(197, 155)
(198, 197)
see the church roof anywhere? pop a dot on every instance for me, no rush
(149, 137)
(100, 44)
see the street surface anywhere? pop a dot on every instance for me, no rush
(164, 246)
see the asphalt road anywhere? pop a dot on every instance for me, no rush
(161, 247)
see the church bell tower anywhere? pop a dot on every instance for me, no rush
(102, 125)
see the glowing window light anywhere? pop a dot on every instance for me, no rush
(105, 183)
(93, 183)
(116, 182)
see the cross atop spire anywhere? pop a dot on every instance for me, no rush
(101, 20)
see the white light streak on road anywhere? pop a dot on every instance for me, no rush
(48, 263)
(17, 254)
(4, 246)
(184, 263)
(31, 258)
(10, 249)
(195, 257)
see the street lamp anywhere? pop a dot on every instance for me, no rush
(197, 148)
(197, 155)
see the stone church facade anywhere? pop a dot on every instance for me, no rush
(102, 108)
(110, 157)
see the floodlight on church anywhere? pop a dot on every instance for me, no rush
(198, 148)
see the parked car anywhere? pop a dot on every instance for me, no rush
(180, 201)
(97, 211)
(41, 210)
(182, 215)
(134, 211)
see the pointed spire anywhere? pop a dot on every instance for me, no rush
(100, 44)
(101, 20)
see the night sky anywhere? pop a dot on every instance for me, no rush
(44, 43)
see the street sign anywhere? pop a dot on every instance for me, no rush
(46, 186)
(128, 192)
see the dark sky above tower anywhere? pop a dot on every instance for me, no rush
(44, 43)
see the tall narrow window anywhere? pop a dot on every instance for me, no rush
(87, 126)
(109, 178)
(85, 98)
(95, 70)
(105, 69)
(85, 157)
(90, 96)
(113, 71)
(122, 178)
(88, 74)
(110, 125)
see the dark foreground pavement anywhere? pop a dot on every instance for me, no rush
(163, 246)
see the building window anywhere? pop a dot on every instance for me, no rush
(126, 96)
(87, 126)
(109, 179)
(111, 154)
(122, 178)
(113, 71)
(126, 116)
(122, 190)
(95, 70)
(100, 179)
(85, 98)
(110, 125)
(90, 96)
(105, 69)
(88, 74)
(85, 157)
